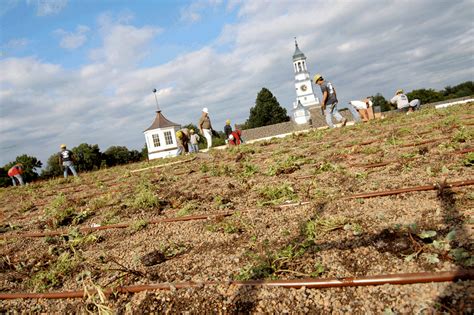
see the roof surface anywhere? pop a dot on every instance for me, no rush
(161, 122)
(298, 53)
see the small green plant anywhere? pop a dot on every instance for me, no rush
(355, 228)
(327, 167)
(371, 149)
(204, 168)
(273, 195)
(409, 155)
(187, 209)
(361, 175)
(60, 212)
(222, 202)
(287, 166)
(144, 198)
(393, 140)
(468, 160)
(56, 273)
(248, 170)
(318, 227)
(233, 224)
(138, 225)
(463, 135)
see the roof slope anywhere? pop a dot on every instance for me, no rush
(161, 122)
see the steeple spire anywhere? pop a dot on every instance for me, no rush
(298, 53)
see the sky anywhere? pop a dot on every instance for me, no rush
(83, 71)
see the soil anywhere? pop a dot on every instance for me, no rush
(268, 234)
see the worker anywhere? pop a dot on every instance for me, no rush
(329, 102)
(15, 174)
(403, 105)
(227, 130)
(205, 126)
(182, 136)
(66, 160)
(364, 108)
(235, 138)
(193, 141)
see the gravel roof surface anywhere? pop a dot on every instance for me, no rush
(289, 216)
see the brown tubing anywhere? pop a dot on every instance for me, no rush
(224, 214)
(119, 225)
(423, 142)
(403, 278)
(410, 189)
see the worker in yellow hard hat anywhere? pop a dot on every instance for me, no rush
(182, 137)
(66, 160)
(227, 130)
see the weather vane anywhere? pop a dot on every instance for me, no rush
(156, 99)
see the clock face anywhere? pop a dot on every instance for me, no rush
(303, 88)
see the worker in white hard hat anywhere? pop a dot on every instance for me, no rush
(403, 104)
(66, 160)
(205, 126)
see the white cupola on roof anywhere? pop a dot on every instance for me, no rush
(305, 98)
(160, 137)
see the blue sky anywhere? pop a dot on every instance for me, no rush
(83, 71)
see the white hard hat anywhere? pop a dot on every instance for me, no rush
(231, 137)
(205, 110)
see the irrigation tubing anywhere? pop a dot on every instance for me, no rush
(412, 189)
(120, 225)
(313, 283)
(462, 183)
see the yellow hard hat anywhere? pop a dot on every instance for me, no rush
(399, 91)
(227, 122)
(62, 146)
(179, 134)
(191, 130)
(317, 77)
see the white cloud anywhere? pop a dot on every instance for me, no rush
(73, 40)
(192, 13)
(124, 45)
(17, 43)
(48, 7)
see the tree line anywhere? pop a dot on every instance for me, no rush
(87, 157)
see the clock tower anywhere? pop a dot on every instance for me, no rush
(305, 98)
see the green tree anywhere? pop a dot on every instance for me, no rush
(52, 167)
(87, 157)
(117, 155)
(379, 100)
(5, 180)
(425, 96)
(460, 90)
(267, 111)
(30, 166)
(144, 152)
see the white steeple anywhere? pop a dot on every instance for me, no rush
(305, 97)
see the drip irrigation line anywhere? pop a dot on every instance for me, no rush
(379, 164)
(462, 183)
(423, 142)
(162, 165)
(412, 189)
(311, 283)
(118, 225)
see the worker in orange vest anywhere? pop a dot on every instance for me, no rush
(15, 174)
